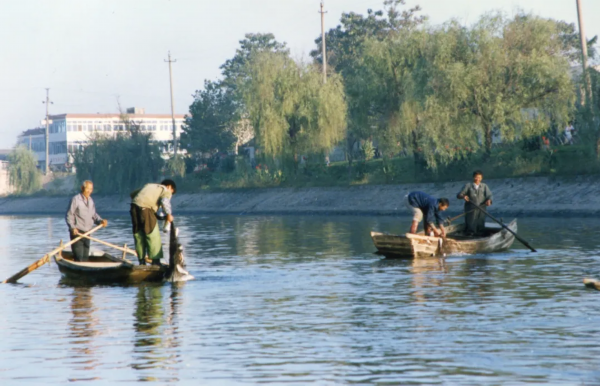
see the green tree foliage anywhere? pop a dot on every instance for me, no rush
(218, 117)
(235, 70)
(368, 150)
(291, 110)
(346, 46)
(119, 164)
(24, 175)
(516, 80)
(345, 42)
(442, 92)
(207, 127)
(175, 166)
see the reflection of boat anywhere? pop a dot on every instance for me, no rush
(104, 268)
(495, 239)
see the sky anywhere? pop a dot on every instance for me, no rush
(95, 55)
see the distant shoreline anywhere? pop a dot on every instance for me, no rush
(519, 197)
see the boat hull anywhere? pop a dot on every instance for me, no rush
(103, 269)
(421, 246)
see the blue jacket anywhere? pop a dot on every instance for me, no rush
(428, 205)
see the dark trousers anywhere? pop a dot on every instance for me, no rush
(81, 249)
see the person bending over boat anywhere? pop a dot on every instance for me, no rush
(424, 205)
(145, 202)
(81, 217)
(477, 193)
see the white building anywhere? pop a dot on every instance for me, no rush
(70, 132)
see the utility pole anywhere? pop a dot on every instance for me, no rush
(323, 49)
(172, 106)
(47, 121)
(586, 74)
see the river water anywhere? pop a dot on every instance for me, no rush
(301, 299)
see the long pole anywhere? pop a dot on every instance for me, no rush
(323, 46)
(584, 58)
(449, 220)
(46, 258)
(47, 132)
(172, 106)
(122, 249)
(504, 226)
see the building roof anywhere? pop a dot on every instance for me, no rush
(114, 116)
(36, 131)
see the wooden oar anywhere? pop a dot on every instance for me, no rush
(504, 226)
(122, 249)
(449, 220)
(46, 258)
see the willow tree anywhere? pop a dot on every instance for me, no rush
(346, 46)
(290, 108)
(513, 76)
(121, 163)
(443, 92)
(24, 175)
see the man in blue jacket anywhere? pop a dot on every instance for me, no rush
(425, 206)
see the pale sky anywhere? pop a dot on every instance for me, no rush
(92, 52)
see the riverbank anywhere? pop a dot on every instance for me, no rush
(534, 196)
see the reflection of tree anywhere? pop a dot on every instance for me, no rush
(151, 349)
(83, 326)
(266, 235)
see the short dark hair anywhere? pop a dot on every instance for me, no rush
(477, 173)
(444, 201)
(170, 183)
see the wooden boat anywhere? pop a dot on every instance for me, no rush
(494, 239)
(105, 268)
(592, 283)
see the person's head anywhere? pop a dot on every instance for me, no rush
(477, 176)
(170, 184)
(443, 204)
(87, 187)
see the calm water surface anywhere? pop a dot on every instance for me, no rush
(303, 299)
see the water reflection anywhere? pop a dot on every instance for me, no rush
(427, 273)
(305, 300)
(83, 328)
(155, 332)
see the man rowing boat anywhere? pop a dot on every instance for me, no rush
(424, 205)
(477, 193)
(81, 217)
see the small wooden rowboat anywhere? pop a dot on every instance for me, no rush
(105, 268)
(494, 239)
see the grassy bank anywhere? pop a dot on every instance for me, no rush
(509, 162)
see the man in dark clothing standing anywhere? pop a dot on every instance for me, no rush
(425, 206)
(81, 217)
(477, 193)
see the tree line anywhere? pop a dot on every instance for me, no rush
(395, 84)
(435, 92)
